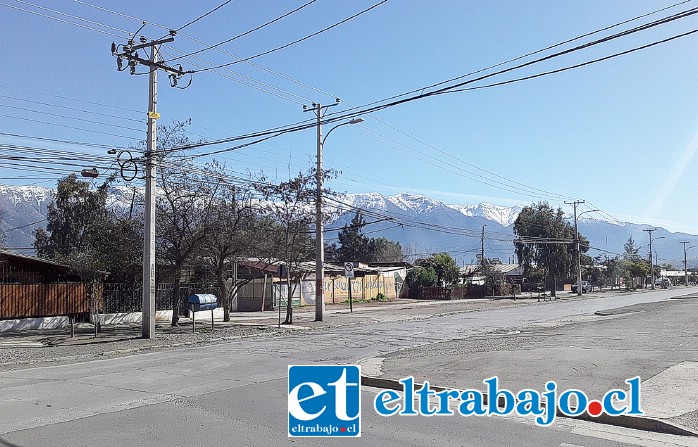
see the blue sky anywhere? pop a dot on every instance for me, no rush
(621, 134)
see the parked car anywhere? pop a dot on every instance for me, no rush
(586, 287)
(663, 283)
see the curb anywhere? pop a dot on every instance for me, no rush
(124, 351)
(634, 422)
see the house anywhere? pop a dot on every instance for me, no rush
(32, 287)
(262, 288)
(473, 273)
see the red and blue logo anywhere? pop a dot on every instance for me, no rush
(324, 401)
(495, 401)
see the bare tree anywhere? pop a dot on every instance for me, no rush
(183, 207)
(289, 207)
(232, 230)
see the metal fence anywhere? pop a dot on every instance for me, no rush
(124, 298)
(453, 293)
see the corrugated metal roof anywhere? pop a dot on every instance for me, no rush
(13, 254)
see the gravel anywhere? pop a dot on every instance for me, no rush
(41, 348)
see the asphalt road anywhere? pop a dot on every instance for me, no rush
(235, 393)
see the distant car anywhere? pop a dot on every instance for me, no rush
(585, 287)
(663, 283)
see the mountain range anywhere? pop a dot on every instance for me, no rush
(422, 225)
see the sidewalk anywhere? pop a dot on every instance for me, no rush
(127, 337)
(19, 349)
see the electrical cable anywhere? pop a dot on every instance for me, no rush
(76, 143)
(257, 28)
(268, 87)
(70, 127)
(309, 36)
(63, 21)
(57, 115)
(203, 15)
(72, 99)
(73, 109)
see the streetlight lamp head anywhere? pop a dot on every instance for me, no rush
(90, 173)
(111, 152)
(356, 121)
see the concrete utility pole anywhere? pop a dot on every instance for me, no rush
(649, 231)
(148, 318)
(685, 267)
(319, 237)
(319, 230)
(130, 53)
(482, 250)
(576, 244)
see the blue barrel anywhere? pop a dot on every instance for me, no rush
(202, 301)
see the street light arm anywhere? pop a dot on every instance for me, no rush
(319, 239)
(584, 212)
(354, 121)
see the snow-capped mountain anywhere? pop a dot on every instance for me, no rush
(22, 209)
(405, 202)
(421, 224)
(502, 214)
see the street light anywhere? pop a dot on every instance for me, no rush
(90, 173)
(685, 269)
(651, 261)
(579, 252)
(319, 238)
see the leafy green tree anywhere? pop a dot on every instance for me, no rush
(353, 244)
(630, 252)
(72, 219)
(545, 242)
(610, 271)
(445, 267)
(637, 269)
(385, 250)
(119, 239)
(420, 277)
(83, 233)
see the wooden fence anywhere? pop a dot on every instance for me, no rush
(46, 300)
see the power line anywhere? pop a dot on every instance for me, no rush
(521, 57)
(53, 140)
(268, 87)
(532, 53)
(257, 28)
(360, 110)
(69, 127)
(110, 106)
(194, 39)
(440, 163)
(203, 15)
(62, 20)
(27, 225)
(302, 39)
(571, 67)
(72, 108)
(58, 115)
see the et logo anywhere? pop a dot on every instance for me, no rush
(324, 401)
